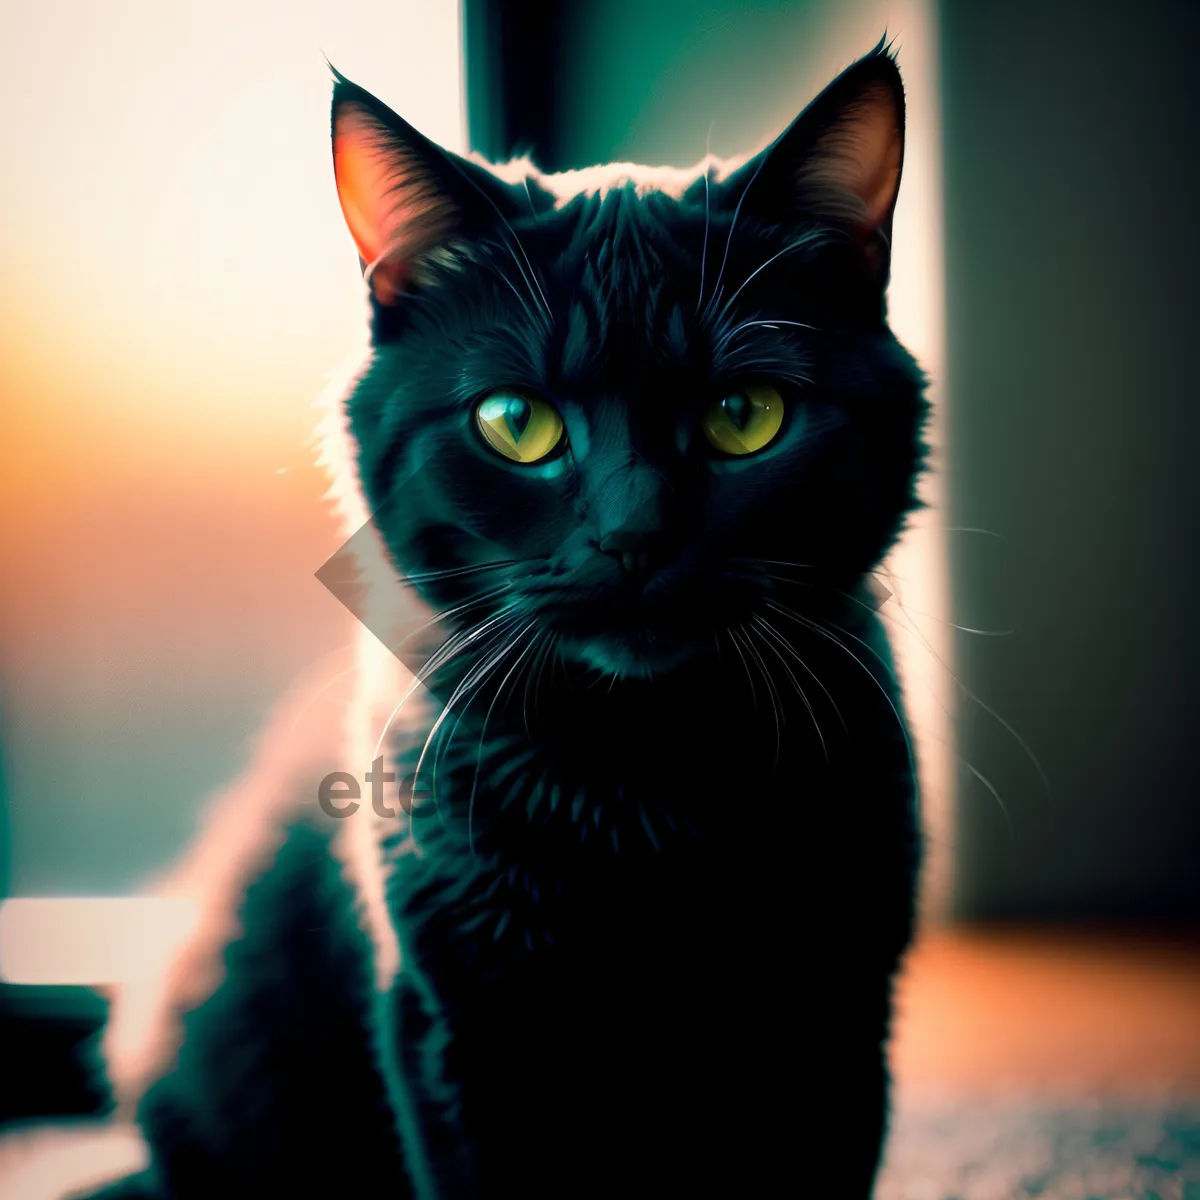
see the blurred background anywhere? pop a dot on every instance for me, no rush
(176, 284)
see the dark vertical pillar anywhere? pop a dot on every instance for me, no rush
(513, 54)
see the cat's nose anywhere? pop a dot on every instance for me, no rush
(640, 554)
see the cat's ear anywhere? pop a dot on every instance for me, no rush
(402, 195)
(839, 161)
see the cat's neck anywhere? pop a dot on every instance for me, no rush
(582, 757)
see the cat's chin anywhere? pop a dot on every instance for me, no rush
(633, 659)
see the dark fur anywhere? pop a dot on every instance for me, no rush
(651, 929)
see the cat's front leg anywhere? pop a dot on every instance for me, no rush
(843, 1137)
(437, 1154)
(278, 1087)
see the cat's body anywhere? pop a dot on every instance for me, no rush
(688, 1007)
(662, 862)
(699, 1006)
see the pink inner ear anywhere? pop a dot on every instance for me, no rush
(858, 165)
(879, 151)
(387, 277)
(360, 169)
(391, 207)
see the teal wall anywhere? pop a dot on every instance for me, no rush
(644, 82)
(1071, 132)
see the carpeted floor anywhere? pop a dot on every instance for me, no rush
(1008, 1150)
(940, 1150)
(1029, 1063)
(1063, 1065)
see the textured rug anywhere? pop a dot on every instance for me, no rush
(1007, 1150)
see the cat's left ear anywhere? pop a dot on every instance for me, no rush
(402, 195)
(839, 161)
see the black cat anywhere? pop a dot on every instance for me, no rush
(639, 444)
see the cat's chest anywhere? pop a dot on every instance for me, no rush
(656, 921)
(633, 985)
(554, 873)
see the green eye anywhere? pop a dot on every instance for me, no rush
(525, 429)
(744, 421)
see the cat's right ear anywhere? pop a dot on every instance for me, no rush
(402, 195)
(839, 161)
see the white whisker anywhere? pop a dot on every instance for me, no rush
(775, 636)
(483, 732)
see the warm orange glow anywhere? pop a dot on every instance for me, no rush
(1058, 1013)
(177, 283)
(360, 179)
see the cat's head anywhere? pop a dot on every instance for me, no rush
(606, 409)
